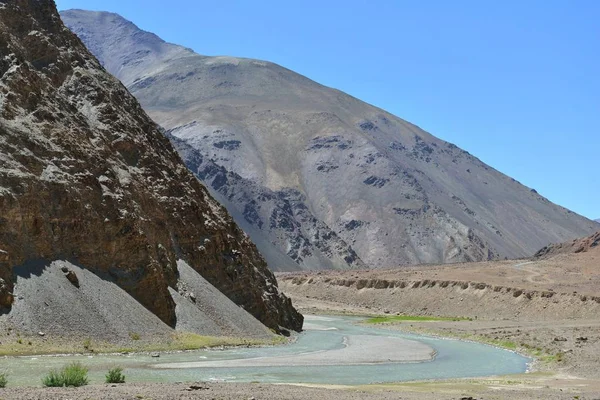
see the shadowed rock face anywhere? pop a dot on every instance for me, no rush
(318, 178)
(86, 176)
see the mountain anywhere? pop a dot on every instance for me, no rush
(89, 184)
(317, 178)
(597, 220)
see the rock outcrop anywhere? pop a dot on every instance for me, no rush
(318, 178)
(581, 245)
(86, 176)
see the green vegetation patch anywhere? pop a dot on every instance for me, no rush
(3, 379)
(73, 375)
(115, 375)
(413, 318)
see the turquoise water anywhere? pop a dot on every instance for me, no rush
(454, 359)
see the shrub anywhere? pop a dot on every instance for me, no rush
(73, 374)
(53, 379)
(115, 375)
(134, 336)
(3, 379)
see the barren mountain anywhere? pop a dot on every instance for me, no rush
(317, 178)
(89, 183)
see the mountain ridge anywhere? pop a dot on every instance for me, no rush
(318, 178)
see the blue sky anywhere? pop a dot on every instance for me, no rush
(516, 83)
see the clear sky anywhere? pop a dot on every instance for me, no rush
(516, 83)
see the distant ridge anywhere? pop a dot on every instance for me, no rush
(317, 178)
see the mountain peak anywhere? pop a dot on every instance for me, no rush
(111, 38)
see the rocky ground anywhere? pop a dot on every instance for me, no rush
(518, 387)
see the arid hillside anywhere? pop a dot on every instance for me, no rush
(318, 178)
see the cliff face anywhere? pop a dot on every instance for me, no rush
(86, 176)
(317, 178)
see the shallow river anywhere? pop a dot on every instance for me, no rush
(332, 350)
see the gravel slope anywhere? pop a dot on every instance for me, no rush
(201, 308)
(46, 301)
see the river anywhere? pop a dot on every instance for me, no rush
(332, 350)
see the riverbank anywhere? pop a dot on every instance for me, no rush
(547, 309)
(521, 386)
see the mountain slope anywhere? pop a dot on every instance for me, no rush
(318, 178)
(87, 177)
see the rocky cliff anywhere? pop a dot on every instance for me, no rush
(86, 176)
(318, 178)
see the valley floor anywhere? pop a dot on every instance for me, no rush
(576, 375)
(547, 309)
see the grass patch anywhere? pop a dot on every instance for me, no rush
(115, 375)
(411, 318)
(505, 344)
(192, 341)
(73, 375)
(553, 358)
(177, 341)
(3, 379)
